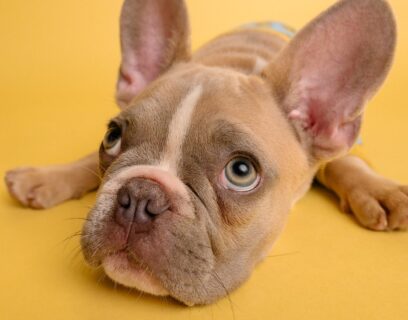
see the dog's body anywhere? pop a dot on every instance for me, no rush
(204, 163)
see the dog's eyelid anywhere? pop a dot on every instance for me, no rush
(251, 155)
(122, 124)
(255, 155)
(114, 124)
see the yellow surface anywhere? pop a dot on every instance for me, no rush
(58, 67)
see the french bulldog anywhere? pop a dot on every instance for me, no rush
(211, 150)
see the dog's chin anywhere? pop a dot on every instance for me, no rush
(118, 267)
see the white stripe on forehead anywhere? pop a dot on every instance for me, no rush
(178, 128)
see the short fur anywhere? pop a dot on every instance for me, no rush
(289, 107)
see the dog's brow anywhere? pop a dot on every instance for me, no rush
(233, 137)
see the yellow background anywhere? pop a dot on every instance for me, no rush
(57, 74)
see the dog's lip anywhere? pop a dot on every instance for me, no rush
(119, 267)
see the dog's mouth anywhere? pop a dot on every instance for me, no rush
(166, 253)
(123, 269)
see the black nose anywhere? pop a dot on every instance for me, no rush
(140, 201)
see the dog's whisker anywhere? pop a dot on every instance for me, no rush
(282, 254)
(220, 282)
(87, 206)
(78, 218)
(102, 277)
(70, 237)
(76, 253)
(96, 174)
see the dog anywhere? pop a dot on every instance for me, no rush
(211, 150)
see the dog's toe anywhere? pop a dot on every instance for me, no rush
(380, 205)
(396, 203)
(19, 183)
(37, 188)
(367, 210)
(45, 196)
(35, 199)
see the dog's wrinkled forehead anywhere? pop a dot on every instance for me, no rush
(185, 112)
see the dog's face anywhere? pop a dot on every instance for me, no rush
(218, 180)
(203, 165)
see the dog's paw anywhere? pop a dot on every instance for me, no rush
(378, 203)
(38, 188)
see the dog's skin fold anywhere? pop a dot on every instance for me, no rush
(211, 150)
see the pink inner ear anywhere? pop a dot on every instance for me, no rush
(328, 89)
(128, 86)
(325, 130)
(328, 116)
(154, 34)
(156, 29)
(143, 51)
(331, 69)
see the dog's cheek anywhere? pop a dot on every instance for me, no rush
(267, 219)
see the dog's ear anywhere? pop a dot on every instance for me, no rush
(154, 34)
(328, 72)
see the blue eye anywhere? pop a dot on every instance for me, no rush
(240, 174)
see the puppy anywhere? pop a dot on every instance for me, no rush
(211, 150)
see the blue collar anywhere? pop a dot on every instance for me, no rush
(274, 26)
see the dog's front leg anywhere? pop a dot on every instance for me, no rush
(377, 202)
(44, 187)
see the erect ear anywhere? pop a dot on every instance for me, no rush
(328, 72)
(154, 34)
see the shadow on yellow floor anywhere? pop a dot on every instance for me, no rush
(58, 68)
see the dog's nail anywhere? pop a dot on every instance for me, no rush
(381, 224)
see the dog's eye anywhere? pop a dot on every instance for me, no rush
(240, 175)
(112, 140)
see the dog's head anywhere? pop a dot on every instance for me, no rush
(203, 164)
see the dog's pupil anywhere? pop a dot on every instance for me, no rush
(114, 135)
(240, 168)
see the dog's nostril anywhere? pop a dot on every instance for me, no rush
(153, 208)
(124, 198)
(139, 202)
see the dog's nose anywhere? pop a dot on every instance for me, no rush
(140, 201)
